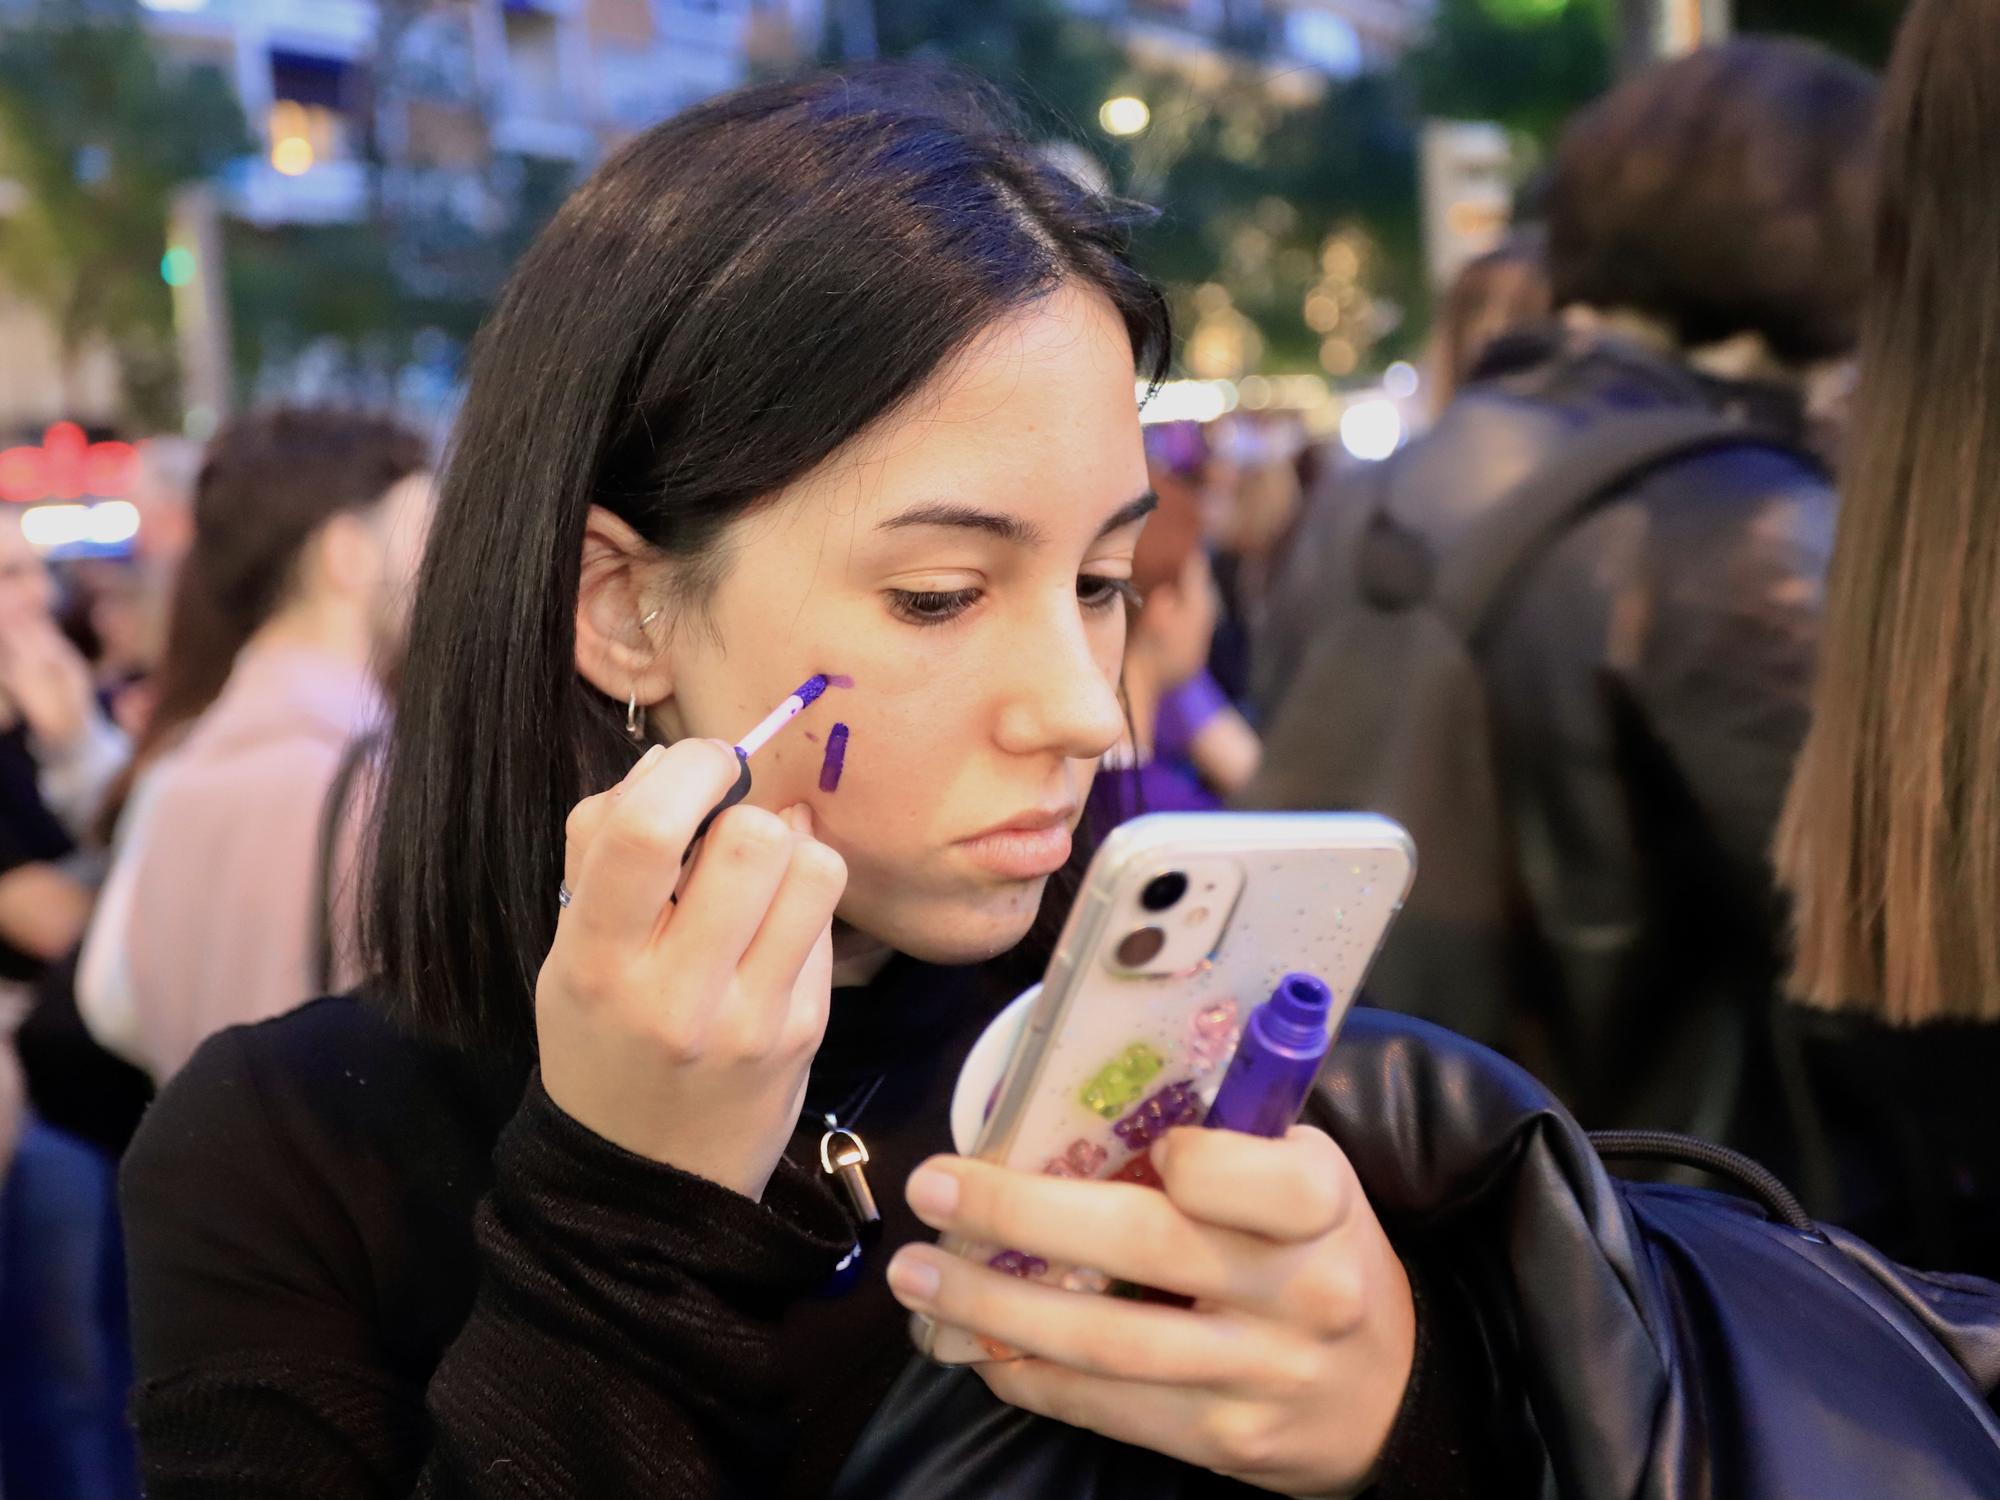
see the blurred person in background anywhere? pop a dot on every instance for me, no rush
(1890, 844)
(164, 497)
(1503, 293)
(225, 893)
(109, 617)
(79, 682)
(64, 1360)
(1251, 493)
(1187, 746)
(48, 719)
(1568, 637)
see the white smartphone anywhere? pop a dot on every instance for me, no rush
(1186, 922)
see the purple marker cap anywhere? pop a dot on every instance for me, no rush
(1284, 1042)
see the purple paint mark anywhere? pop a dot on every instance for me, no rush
(836, 758)
(840, 682)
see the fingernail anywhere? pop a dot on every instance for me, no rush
(912, 1278)
(799, 818)
(933, 1195)
(645, 761)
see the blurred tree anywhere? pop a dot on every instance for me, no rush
(1526, 64)
(98, 133)
(1862, 28)
(1253, 175)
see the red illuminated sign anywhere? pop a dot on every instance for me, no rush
(67, 466)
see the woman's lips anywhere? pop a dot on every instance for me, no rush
(1020, 853)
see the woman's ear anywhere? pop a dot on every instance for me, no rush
(621, 634)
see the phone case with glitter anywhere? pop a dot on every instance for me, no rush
(1185, 923)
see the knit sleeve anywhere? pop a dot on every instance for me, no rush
(621, 1338)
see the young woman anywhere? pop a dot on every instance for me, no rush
(830, 377)
(1891, 838)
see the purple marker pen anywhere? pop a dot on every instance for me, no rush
(1284, 1042)
(808, 693)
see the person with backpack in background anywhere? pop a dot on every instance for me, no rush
(1568, 636)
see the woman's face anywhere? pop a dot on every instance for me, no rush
(963, 563)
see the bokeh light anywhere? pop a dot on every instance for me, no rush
(1124, 115)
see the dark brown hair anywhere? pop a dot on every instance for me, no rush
(1724, 193)
(726, 302)
(267, 483)
(1890, 842)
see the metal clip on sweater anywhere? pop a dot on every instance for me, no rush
(842, 1155)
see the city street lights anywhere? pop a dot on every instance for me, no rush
(1124, 115)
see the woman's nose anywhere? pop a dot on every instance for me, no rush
(1059, 696)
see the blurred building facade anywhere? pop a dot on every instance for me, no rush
(425, 112)
(437, 119)
(1302, 42)
(417, 97)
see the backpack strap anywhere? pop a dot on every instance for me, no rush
(1478, 575)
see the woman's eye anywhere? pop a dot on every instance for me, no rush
(1102, 593)
(931, 607)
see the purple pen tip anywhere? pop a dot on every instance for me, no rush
(811, 689)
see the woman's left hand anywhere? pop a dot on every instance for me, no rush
(1288, 1371)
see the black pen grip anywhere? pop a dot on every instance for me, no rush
(730, 798)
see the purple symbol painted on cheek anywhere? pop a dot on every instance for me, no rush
(836, 759)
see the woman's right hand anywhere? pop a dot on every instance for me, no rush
(683, 1033)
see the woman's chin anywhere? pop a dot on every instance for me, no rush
(949, 930)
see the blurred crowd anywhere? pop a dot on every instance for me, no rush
(1569, 635)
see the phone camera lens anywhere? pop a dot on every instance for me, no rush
(1141, 947)
(1162, 891)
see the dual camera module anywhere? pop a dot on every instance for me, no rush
(1160, 895)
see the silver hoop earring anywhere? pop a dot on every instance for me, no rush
(632, 726)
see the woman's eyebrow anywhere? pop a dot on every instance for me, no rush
(1012, 529)
(1130, 514)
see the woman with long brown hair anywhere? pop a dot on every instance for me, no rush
(1890, 843)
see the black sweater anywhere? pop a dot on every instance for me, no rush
(366, 1266)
